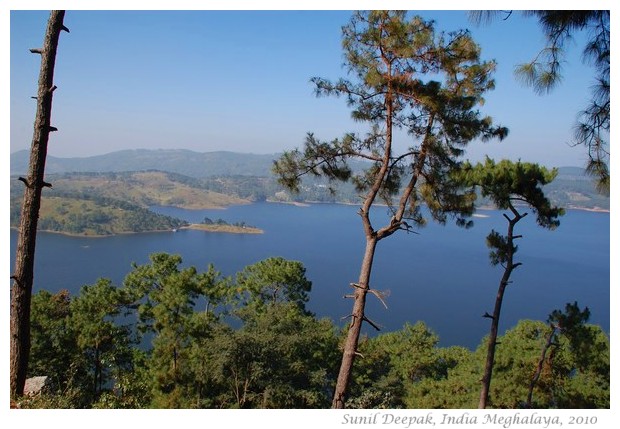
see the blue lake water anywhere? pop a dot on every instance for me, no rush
(441, 275)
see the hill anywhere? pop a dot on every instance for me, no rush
(142, 188)
(112, 203)
(248, 177)
(573, 188)
(95, 217)
(186, 162)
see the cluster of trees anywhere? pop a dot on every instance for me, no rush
(175, 337)
(220, 221)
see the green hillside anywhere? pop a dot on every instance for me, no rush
(113, 203)
(143, 188)
(218, 179)
(573, 188)
(96, 217)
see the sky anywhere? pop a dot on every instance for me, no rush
(240, 81)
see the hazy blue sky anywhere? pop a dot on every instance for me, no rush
(239, 81)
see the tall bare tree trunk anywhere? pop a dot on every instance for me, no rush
(23, 275)
(357, 317)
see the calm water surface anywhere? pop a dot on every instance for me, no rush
(441, 275)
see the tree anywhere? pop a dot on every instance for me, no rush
(281, 357)
(275, 280)
(394, 364)
(544, 73)
(571, 323)
(572, 377)
(166, 296)
(23, 276)
(54, 351)
(105, 344)
(406, 77)
(508, 184)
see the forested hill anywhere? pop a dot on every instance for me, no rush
(248, 176)
(112, 203)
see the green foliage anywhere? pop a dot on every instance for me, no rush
(91, 215)
(277, 355)
(508, 183)
(79, 344)
(54, 341)
(104, 343)
(516, 361)
(456, 386)
(565, 382)
(544, 72)
(280, 358)
(166, 297)
(397, 368)
(406, 75)
(274, 280)
(111, 203)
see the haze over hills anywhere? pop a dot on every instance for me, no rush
(187, 162)
(249, 176)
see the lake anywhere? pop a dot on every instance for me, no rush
(440, 275)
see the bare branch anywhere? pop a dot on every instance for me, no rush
(23, 179)
(380, 295)
(373, 324)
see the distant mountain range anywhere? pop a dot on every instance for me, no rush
(572, 188)
(186, 162)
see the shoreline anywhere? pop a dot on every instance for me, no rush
(77, 235)
(228, 229)
(487, 208)
(587, 209)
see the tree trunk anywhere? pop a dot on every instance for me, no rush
(510, 266)
(488, 367)
(23, 275)
(97, 384)
(357, 317)
(539, 368)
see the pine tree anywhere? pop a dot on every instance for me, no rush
(508, 184)
(570, 323)
(405, 76)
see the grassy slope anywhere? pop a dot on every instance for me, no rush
(145, 189)
(75, 216)
(104, 204)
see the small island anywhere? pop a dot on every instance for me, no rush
(220, 225)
